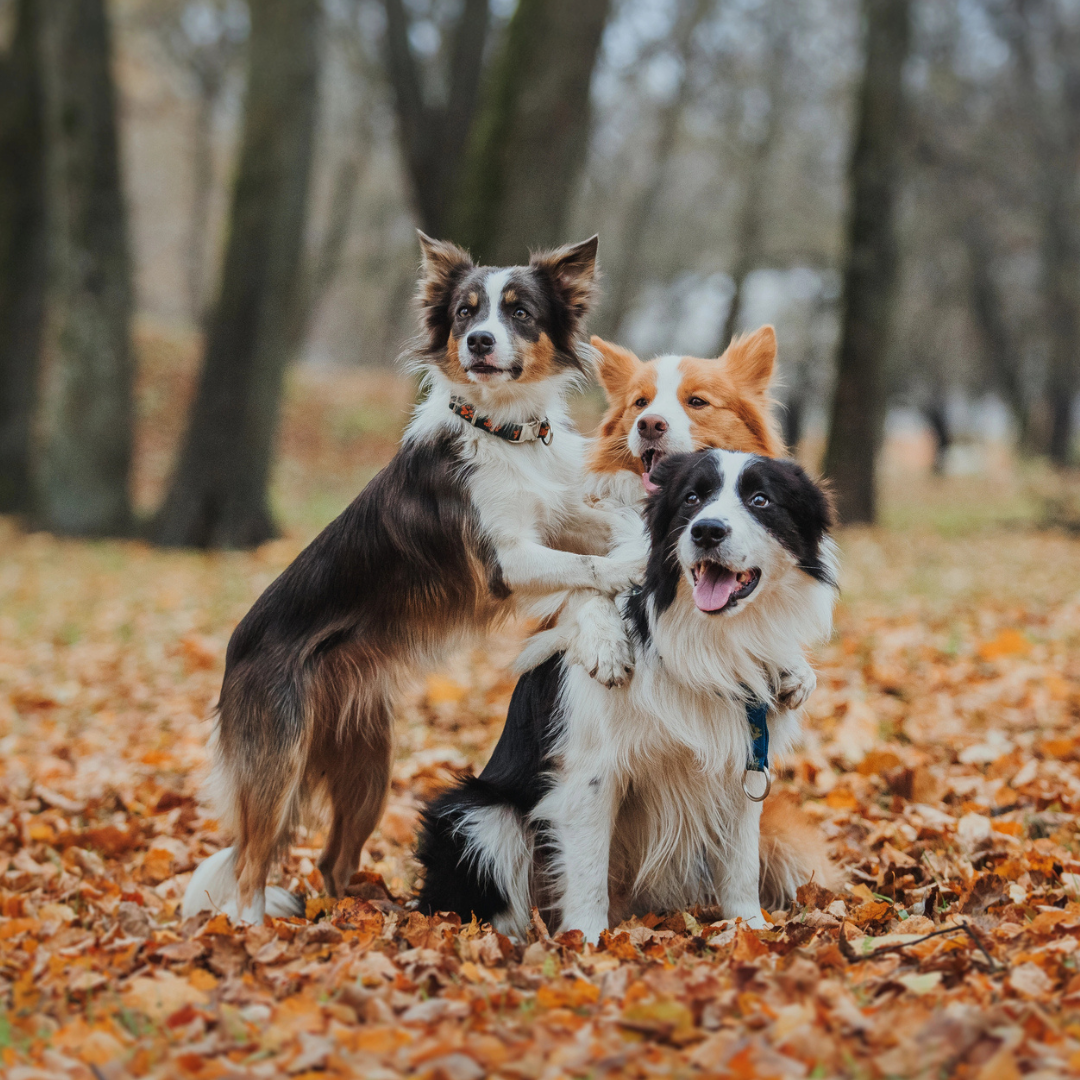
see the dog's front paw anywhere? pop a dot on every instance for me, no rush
(795, 687)
(755, 921)
(616, 575)
(592, 926)
(601, 645)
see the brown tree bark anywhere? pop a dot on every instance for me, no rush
(22, 254)
(530, 137)
(218, 495)
(858, 408)
(434, 138)
(82, 477)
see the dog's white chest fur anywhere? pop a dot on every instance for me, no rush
(526, 487)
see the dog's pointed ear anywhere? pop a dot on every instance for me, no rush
(572, 273)
(751, 358)
(442, 266)
(616, 366)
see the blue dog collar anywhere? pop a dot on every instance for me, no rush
(757, 716)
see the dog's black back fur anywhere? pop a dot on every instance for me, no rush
(513, 777)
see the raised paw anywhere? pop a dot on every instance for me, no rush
(795, 687)
(616, 575)
(601, 645)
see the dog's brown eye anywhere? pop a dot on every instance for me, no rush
(759, 500)
(697, 403)
(641, 403)
(463, 312)
(692, 499)
(521, 313)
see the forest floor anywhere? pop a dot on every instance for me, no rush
(942, 761)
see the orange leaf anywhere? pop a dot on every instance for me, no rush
(748, 947)
(1009, 828)
(841, 799)
(219, 924)
(572, 996)
(618, 945)
(1007, 643)
(877, 761)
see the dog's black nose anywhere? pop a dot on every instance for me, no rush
(709, 533)
(651, 427)
(480, 343)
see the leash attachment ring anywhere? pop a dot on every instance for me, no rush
(768, 784)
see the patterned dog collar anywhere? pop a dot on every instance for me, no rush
(530, 431)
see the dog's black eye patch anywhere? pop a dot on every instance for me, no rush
(794, 510)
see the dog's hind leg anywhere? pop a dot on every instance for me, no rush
(269, 804)
(257, 783)
(356, 769)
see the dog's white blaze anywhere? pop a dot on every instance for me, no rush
(749, 545)
(668, 406)
(503, 353)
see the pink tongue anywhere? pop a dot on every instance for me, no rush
(714, 587)
(650, 487)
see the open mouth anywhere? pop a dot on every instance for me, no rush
(649, 458)
(716, 588)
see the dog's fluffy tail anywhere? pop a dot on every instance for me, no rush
(213, 887)
(792, 852)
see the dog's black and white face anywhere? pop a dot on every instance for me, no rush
(729, 525)
(496, 325)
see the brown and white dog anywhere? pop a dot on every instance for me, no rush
(481, 509)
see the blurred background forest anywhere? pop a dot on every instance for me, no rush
(207, 215)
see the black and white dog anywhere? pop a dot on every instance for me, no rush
(599, 803)
(480, 512)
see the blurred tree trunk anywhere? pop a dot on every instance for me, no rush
(625, 280)
(936, 413)
(1053, 113)
(750, 226)
(433, 138)
(202, 190)
(23, 251)
(82, 477)
(218, 494)
(858, 409)
(996, 338)
(1061, 265)
(530, 138)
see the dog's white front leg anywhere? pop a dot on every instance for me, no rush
(737, 889)
(531, 567)
(599, 641)
(581, 810)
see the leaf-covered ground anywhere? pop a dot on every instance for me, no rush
(942, 761)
